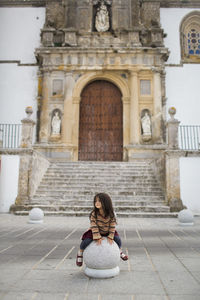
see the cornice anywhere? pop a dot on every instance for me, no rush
(43, 3)
(35, 3)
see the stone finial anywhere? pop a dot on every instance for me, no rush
(172, 126)
(29, 111)
(172, 112)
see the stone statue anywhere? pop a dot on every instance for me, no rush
(56, 124)
(146, 124)
(102, 18)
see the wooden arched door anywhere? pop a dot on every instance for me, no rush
(101, 122)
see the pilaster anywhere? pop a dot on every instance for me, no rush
(134, 109)
(157, 132)
(44, 117)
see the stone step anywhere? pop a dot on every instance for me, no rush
(90, 195)
(75, 187)
(103, 164)
(90, 203)
(62, 195)
(87, 209)
(73, 200)
(69, 188)
(107, 171)
(83, 179)
(119, 214)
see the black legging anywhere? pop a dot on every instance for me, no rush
(88, 241)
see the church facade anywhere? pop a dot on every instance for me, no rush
(102, 73)
(102, 76)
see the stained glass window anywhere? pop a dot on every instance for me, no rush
(193, 42)
(190, 37)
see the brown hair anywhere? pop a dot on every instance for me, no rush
(106, 203)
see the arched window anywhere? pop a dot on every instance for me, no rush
(190, 37)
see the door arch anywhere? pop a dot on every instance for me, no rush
(101, 122)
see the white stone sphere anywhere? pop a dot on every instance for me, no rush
(36, 216)
(102, 260)
(186, 217)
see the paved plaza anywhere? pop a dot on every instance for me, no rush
(38, 261)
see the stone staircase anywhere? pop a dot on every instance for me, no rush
(68, 188)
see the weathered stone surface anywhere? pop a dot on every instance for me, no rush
(104, 257)
(186, 217)
(36, 216)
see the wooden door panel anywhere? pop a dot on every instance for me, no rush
(100, 124)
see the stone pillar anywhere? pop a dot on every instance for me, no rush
(173, 180)
(172, 165)
(69, 119)
(27, 129)
(157, 133)
(172, 129)
(134, 109)
(25, 158)
(44, 116)
(24, 174)
(47, 35)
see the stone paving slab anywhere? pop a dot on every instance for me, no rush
(37, 261)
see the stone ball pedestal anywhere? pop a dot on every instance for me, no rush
(186, 217)
(36, 216)
(102, 260)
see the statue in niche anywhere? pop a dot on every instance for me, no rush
(56, 124)
(146, 126)
(102, 18)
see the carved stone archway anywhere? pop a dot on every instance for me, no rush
(119, 82)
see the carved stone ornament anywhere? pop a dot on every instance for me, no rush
(102, 18)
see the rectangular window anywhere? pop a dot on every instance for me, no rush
(145, 87)
(57, 87)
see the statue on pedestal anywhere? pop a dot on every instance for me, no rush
(56, 124)
(146, 126)
(102, 18)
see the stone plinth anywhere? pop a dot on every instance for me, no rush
(102, 260)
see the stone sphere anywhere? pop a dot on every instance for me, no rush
(102, 260)
(36, 216)
(185, 217)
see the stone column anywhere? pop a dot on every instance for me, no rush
(157, 133)
(172, 129)
(44, 116)
(134, 109)
(24, 176)
(27, 129)
(173, 180)
(69, 118)
(172, 164)
(25, 158)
